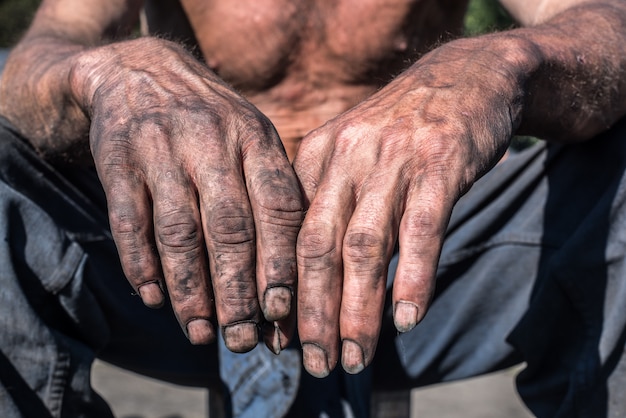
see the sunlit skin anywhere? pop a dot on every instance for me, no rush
(387, 116)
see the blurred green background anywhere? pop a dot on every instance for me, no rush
(483, 16)
(15, 16)
(486, 16)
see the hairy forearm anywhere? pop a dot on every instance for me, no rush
(561, 80)
(35, 95)
(574, 72)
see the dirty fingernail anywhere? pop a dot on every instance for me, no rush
(405, 316)
(151, 294)
(241, 337)
(200, 331)
(315, 360)
(272, 338)
(277, 303)
(352, 358)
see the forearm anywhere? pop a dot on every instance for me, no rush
(573, 76)
(36, 92)
(35, 96)
(562, 80)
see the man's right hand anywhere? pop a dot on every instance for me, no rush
(201, 197)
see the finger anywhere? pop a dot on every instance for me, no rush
(320, 271)
(421, 235)
(130, 217)
(367, 249)
(277, 334)
(308, 165)
(230, 240)
(276, 202)
(179, 239)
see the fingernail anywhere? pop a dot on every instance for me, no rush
(151, 294)
(241, 337)
(315, 360)
(405, 316)
(352, 358)
(277, 303)
(272, 338)
(200, 331)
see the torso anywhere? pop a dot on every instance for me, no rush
(301, 62)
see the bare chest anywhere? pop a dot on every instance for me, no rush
(256, 44)
(304, 61)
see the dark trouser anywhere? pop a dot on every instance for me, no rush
(64, 299)
(532, 271)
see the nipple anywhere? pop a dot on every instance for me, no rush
(400, 44)
(213, 63)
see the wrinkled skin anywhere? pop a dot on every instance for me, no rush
(197, 171)
(412, 160)
(202, 199)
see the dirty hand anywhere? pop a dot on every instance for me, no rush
(390, 170)
(202, 200)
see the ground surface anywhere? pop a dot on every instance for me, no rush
(133, 396)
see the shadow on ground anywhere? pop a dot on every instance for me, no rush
(133, 396)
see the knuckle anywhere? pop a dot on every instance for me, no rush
(281, 210)
(239, 302)
(123, 223)
(255, 129)
(308, 150)
(178, 232)
(423, 223)
(113, 156)
(277, 190)
(254, 121)
(364, 250)
(236, 297)
(348, 137)
(314, 247)
(188, 305)
(443, 155)
(127, 231)
(135, 249)
(231, 226)
(202, 118)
